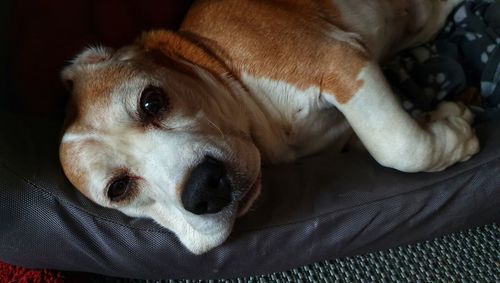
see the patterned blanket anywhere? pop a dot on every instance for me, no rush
(462, 64)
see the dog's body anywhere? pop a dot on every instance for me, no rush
(175, 126)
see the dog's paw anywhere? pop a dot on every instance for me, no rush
(450, 125)
(447, 109)
(467, 143)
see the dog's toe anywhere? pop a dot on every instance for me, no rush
(447, 109)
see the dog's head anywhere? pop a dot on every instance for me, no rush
(157, 129)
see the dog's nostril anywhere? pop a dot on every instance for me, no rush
(214, 182)
(207, 189)
(202, 206)
(211, 159)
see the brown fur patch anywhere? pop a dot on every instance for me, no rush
(91, 93)
(173, 45)
(93, 90)
(281, 40)
(167, 47)
(67, 153)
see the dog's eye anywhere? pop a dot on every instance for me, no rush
(119, 189)
(152, 101)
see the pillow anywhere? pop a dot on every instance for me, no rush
(321, 207)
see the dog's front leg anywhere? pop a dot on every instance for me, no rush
(396, 140)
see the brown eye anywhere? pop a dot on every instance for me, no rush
(119, 189)
(152, 101)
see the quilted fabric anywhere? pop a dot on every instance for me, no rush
(463, 63)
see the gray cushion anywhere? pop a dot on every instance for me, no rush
(321, 207)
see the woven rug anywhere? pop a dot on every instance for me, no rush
(467, 256)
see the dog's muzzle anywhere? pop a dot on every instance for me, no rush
(208, 189)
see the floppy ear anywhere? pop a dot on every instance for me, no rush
(94, 55)
(88, 57)
(180, 46)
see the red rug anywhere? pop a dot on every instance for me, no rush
(14, 274)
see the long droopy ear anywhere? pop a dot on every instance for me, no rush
(88, 57)
(180, 46)
(94, 55)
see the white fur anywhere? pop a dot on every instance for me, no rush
(301, 121)
(276, 121)
(384, 32)
(395, 140)
(76, 137)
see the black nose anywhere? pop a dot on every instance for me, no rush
(207, 190)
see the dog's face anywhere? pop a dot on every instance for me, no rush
(160, 137)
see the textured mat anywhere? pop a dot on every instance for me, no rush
(468, 256)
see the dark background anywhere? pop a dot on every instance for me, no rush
(40, 36)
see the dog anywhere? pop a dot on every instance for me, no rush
(175, 126)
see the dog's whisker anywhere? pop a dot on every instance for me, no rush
(217, 128)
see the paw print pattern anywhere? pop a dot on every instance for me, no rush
(465, 55)
(485, 56)
(460, 14)
(412, 109)
(440, 84)
(471, 36)
(422, 54)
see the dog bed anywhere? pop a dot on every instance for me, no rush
(321, 207)
(470, 256)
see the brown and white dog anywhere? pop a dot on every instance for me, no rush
(175, 126)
